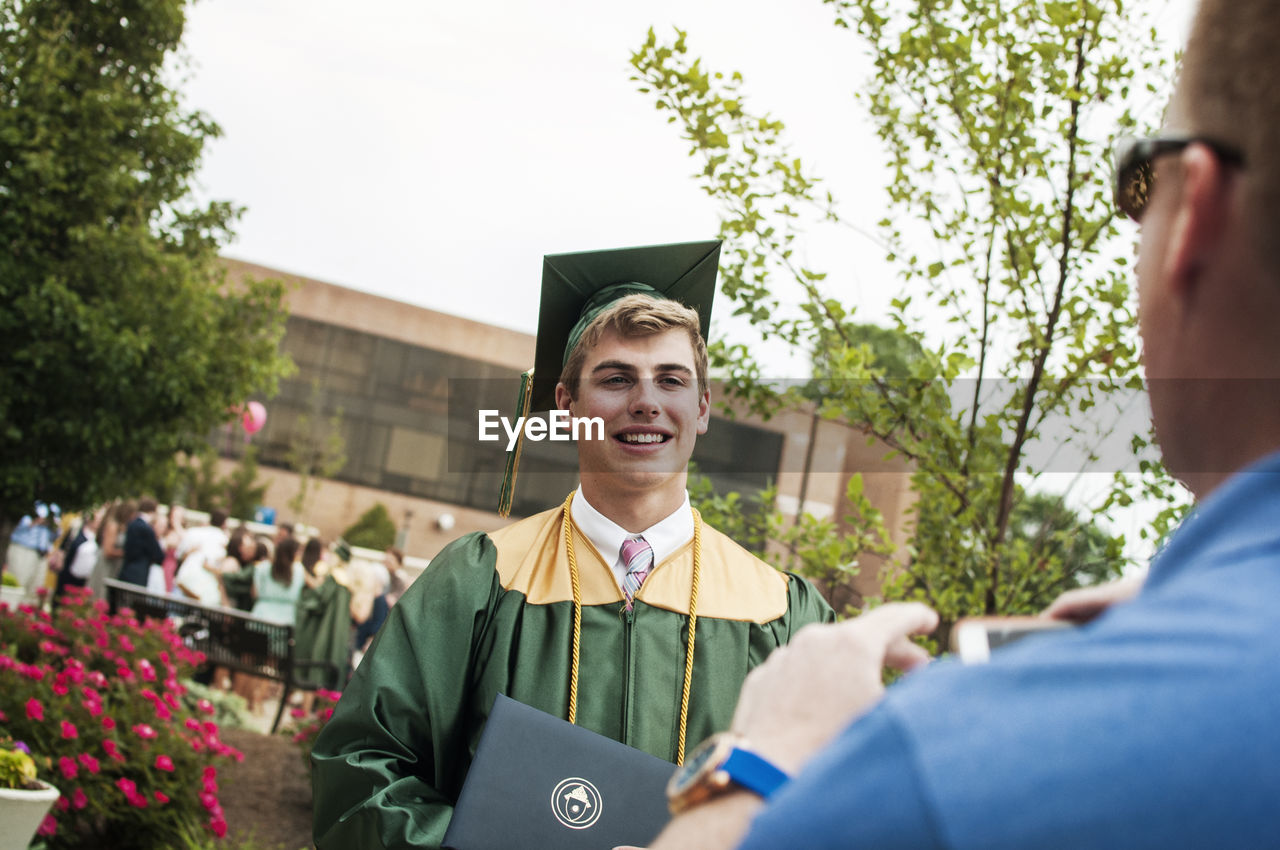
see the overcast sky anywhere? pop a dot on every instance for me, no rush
(433, 152)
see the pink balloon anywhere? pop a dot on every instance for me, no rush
(255, 416)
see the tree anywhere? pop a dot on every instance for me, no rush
(373, 530)
(997, 119)
(123, 341)
(316, 449)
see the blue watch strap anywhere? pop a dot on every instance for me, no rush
(754, 772)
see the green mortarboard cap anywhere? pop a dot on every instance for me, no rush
(577, 287)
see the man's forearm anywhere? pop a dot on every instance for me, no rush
(715, 824)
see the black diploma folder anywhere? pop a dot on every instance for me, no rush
(541, 783)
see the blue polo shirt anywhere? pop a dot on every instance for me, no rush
(1155, 726)
(38, 537)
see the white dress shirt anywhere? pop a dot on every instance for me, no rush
(665, 536)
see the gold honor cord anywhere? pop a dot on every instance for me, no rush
(567, 525)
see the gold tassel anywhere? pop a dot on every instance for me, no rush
(507, 493)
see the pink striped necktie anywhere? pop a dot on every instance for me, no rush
(637, 555)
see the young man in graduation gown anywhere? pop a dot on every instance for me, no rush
(620, 610)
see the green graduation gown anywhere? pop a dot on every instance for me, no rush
(493, 613)
(323, 630)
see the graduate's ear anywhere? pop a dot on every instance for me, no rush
(563, 397)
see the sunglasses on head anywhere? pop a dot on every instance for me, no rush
(1134, 176)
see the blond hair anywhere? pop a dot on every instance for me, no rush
(638, 316)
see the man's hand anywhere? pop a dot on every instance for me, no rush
(798, 700)
(810, 689)
(1084, 603)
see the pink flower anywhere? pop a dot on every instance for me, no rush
(93, 707)
(68, 766)
(128, 786)
(49, 826)
(208, 799)
(108, 722)
(163, 762)
(69, 730)
(219, 826)
(124, 673)
(192, 724)
(35, 711)
(144, 731)
(205, 707)
(62, 804)
(88, 762)
(162, 797)
(79, 800)
(126, 644)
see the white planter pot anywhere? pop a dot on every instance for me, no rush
(12, 595)
(21, 813)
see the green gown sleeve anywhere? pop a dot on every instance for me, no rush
(387, 767)
(805, 605)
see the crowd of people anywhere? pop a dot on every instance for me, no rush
(336, 606)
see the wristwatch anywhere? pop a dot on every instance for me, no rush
(720, 761)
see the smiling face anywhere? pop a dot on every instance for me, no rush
(645, 389)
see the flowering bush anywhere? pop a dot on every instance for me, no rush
(305, 727)
(99, 699)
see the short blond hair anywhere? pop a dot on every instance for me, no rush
(638, 315)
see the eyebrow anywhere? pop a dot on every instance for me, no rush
(624, 366)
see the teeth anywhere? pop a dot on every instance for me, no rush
(642, 438)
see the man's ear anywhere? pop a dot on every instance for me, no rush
(704, 412)
(563, 396)
(1201, 219)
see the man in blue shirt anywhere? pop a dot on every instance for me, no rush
(29, 545)
(1154, 725)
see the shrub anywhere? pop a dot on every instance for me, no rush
(374, 529)
(98, 699)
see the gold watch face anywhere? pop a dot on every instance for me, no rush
(700, 777)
